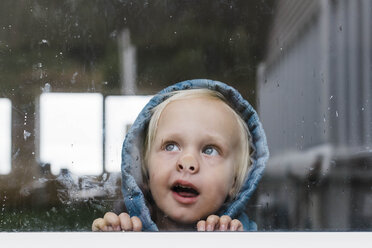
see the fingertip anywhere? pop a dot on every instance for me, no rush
(137, 224)
(236, 225)
(200, 226)
(212, 221)
(97, 225)
(224, 222)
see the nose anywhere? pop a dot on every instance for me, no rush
(188, 163)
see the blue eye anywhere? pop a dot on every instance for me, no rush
(171, 147)
(210, 150)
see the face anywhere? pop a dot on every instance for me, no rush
(191, 162)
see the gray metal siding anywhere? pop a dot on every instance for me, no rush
(316, 87)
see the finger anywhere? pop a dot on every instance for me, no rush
(212, 222)
(137, 224)
(112, 221)
(125, 222)
(224, 222)
(201, 226)
(236, 225)
(98, 224)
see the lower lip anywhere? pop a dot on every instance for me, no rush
(184, 200)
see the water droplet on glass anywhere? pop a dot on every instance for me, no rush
(44, 41)
(330, 97)
(340, 27)
(336, 113)
(73, 79)
(47, 88)
(26, 134)
(362, 109)
(104, 176)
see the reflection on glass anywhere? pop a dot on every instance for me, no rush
(120, 113)
(5, 135)
(71, 132)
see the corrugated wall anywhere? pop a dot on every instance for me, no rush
(315, 85)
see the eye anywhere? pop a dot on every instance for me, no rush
(171, 147)
(210, 150)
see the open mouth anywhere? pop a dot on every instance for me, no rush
(187, 191)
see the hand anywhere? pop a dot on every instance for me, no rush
(223, 223)
(111, 223)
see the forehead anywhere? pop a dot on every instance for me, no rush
(211, 116)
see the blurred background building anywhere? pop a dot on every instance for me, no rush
(314, 98)
(75, 73)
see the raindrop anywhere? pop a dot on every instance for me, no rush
(104, 176)
(44, 41)
(73, 79)
(362, 109)
(26, 134)
(47, 88)
(340, 27)
(336, 113)
(330, 97)
(175, 32)
(281, 49)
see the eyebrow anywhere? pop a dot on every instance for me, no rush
(217, 139)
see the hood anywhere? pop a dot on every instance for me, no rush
(133, 153)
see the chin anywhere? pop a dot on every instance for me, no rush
(179, 218)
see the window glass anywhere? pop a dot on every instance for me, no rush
(71, 132)
(120, 113)
(76, 73)
(5, 135)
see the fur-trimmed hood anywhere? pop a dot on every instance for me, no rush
(133, 154)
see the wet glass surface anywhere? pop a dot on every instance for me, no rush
(75, 73)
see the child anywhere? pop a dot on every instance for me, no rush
(187, 157)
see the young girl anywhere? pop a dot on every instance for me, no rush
(191, 161)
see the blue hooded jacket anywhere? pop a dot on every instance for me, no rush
(133, 154)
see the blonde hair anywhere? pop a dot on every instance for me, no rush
(243, 164)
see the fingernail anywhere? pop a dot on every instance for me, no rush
(233, 228)
(223, 227)
(201, 229)
(209, 228)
